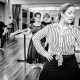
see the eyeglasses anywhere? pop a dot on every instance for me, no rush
(38, 17)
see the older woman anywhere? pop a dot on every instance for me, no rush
(33, 56)
(45, 22)
(61, 62)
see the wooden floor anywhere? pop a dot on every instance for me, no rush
(10, 68)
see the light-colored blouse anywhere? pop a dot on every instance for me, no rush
(62, 43)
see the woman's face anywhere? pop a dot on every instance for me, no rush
(46, 18)
(37, 18)
(68, 16)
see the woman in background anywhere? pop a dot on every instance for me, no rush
(3, 32)
(45, 22)
(33, 56)
(46, 19)
(61, 62)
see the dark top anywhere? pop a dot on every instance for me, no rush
(34, 29)
(2, 25)
(33, 55)
(45, 23)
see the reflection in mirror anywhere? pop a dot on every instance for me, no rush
(15, 15)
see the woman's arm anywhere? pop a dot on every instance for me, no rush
(77, 34)
(33, 29)
(37, 43)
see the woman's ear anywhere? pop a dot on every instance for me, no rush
(62, 14)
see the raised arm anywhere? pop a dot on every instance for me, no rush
(37, 37)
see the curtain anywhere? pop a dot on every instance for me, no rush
(15, 14)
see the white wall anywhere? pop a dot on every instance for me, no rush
(43, 1)
(77, 16)
(2, 11)
(2, 0)
(7, 12)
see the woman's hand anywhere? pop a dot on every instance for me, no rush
(28, 31)
(49, 56)
(5, 31)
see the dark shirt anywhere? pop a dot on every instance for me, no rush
(2, 25)
(45, 23)
(34, 28)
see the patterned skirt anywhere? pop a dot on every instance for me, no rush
(69, 70)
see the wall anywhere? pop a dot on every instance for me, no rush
(77, 16)
(2, 0)
(43, 1)
(2, 11)
(7, 4)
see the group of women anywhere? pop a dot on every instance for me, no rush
(59, 58)
(33, 56)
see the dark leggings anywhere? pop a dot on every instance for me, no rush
(3, 39)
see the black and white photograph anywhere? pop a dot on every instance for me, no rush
(39, 39)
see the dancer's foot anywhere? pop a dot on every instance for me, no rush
(34, 66)
(2, 49)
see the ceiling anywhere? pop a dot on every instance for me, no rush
(43, 1)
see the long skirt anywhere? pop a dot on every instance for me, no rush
(68, 71)
(33, 56)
